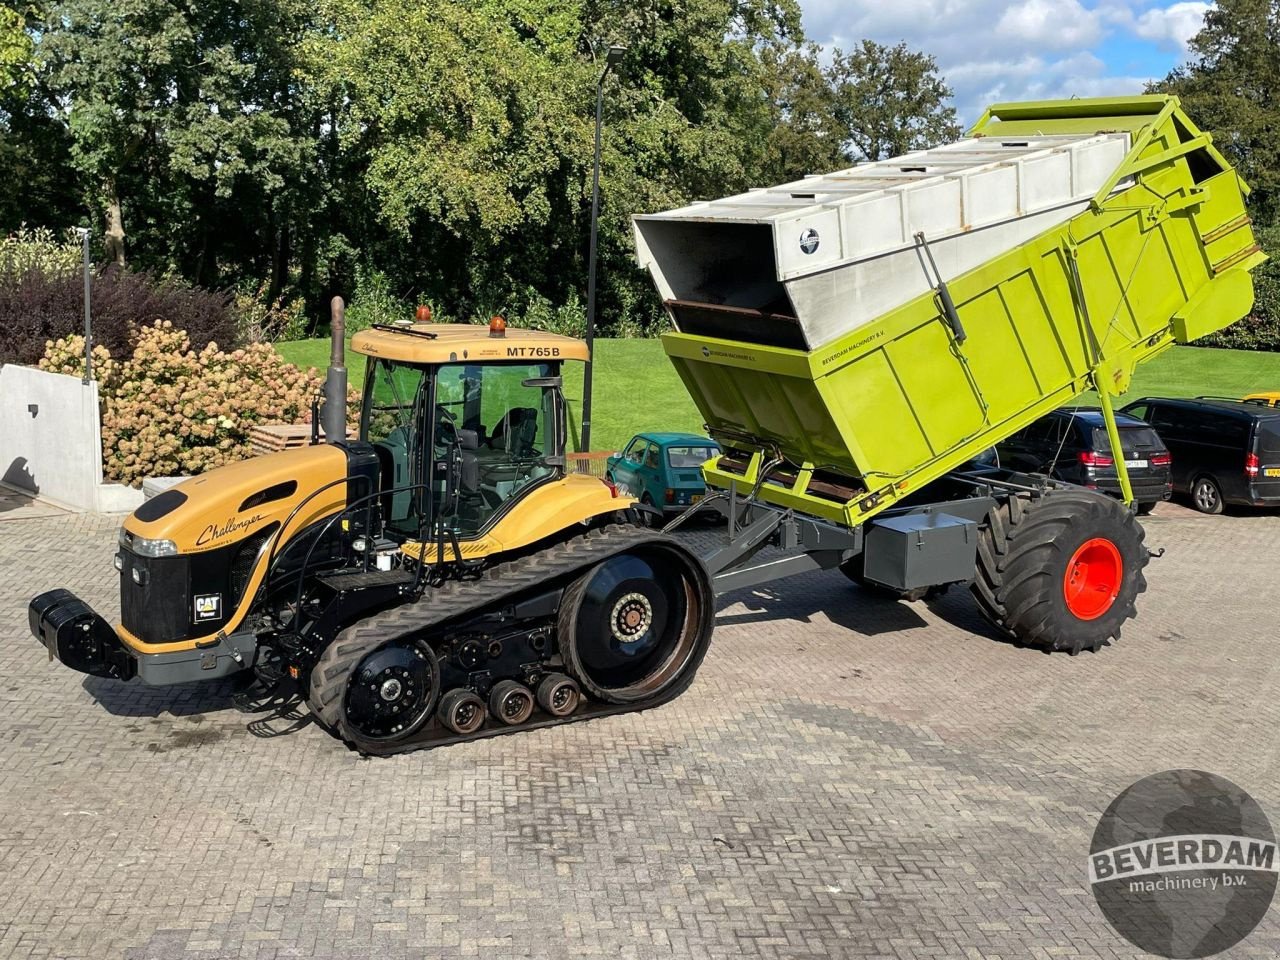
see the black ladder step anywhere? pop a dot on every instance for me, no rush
(357, 579)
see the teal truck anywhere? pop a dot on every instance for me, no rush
(855, 340)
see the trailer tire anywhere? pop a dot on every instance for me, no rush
(1061, 572)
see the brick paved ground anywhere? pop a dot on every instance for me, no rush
(848, 777)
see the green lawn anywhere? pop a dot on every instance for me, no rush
(1192, 371)
(636, 388)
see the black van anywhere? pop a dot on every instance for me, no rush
(1224, 451)
(1073, 445)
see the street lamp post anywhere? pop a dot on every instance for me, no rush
(612, 58)
(88, 316)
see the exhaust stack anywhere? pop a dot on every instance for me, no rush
(334, 418)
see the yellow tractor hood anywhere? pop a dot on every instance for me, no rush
(233, 502)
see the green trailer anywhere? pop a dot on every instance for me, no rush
(854, 340)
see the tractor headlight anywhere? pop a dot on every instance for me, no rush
(144, 547)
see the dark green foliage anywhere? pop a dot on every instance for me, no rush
(1232, 86)
(890, 100)
(306, 148)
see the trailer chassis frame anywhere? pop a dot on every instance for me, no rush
(799, 543)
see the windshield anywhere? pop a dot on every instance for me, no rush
(689, 456)
(495, 434)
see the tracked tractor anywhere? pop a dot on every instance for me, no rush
(440, 577)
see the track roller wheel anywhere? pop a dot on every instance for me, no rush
(375, 693)
(636, 624)
(558, 695)
(1062, 572)
(461, 711)
(510, 702)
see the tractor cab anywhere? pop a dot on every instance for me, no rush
(464, 421)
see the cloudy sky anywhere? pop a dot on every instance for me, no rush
(992, 50)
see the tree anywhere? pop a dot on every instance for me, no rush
(187, 115)
(1232, 85)
(38, 186)
(890, 100)
(803, 136)
(17, 49)
(439, 150)
(472, 124)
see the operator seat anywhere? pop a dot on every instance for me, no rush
(510, 442)
(515, 432)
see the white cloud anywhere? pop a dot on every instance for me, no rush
(1171, 26)
(1050, 24)
(990, 50)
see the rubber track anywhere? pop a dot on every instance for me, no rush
(457, 599)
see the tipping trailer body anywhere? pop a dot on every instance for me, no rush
(862, 334)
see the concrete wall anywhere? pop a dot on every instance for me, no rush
(51, 441)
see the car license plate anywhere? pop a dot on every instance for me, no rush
(696, 498)
(1135, 464)
(1271, 472)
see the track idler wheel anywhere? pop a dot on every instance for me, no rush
(558, 695)
(510, 702)
(461, 711)
(375, 695)
(637, 624)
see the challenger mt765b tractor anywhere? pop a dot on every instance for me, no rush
(854, 343)
(439, 578)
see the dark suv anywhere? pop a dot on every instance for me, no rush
(1072, 445)
(1224, 451)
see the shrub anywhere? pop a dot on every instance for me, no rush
(169, 409)
(39, 305)
(39, 251)
(570, 319)
(374, 302)
(258, 321)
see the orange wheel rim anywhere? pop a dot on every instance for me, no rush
(1092, 581)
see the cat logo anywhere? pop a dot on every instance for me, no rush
(208, 607)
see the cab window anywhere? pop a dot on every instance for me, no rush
(389, 401)
(651, 456)
(635, 450)
(392, 421)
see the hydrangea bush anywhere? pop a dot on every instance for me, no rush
(168, 409)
